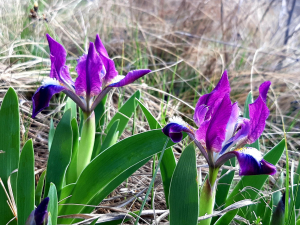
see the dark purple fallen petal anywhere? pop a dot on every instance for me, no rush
(89, 77)
(252, 163)
(130, 77)
(41, 212)
(41, 98)
(58, 55)
(174, 131)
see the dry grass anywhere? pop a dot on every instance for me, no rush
(248, 38)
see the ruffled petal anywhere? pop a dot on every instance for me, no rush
(41, 98)
(230, 128)
(211, 133)
(110, 69)
(89, 80)
(200, 113)
(258, 112)
(240, 138)
(263, 90)
(130, 77)
(252, 163)
(58, 54)
(212, 98)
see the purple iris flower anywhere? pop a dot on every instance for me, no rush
(96, 76)
(39, 216)
(222, 133)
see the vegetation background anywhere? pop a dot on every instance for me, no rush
(186, 43)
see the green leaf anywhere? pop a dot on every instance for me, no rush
(100, 112)
(70, 104)
(124, 113)
(51, 134)
(184, 195)
(60, 154)
(153, 123)
(297, 189)
(94, 222)
(224, 183)
(226, 218)
(278, 215)
(111, 138)
(71, 175)
(278, 185)
(53, 202)
(249, 100)
(261, 207)
(25, 183)
(267, 216)
(168, 162)
(250, 184)
(39, 188)
(112, 162)
(49, 219)
(223, 187)
(100, 116)
(113, 185)
(291, 207)
(10, 144)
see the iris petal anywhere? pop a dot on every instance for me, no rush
(39, 215)
(258, 112)
(200, 113)
(41, 98)
(232, 121)
(41, 211)
(130, 77)
(240, 138)
(252, 163)
(100, 47)
(263, 90)
(58, 55)
(109, 64)
(174, 131)
(212, 132)
(89, 77)
(213, 98)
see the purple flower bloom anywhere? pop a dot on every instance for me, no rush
(221, 133)
(96, 76)
(39, 216)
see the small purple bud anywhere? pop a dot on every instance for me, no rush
(41, 212)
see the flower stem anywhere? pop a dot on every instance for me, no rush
(207, 195)
(86, 143)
